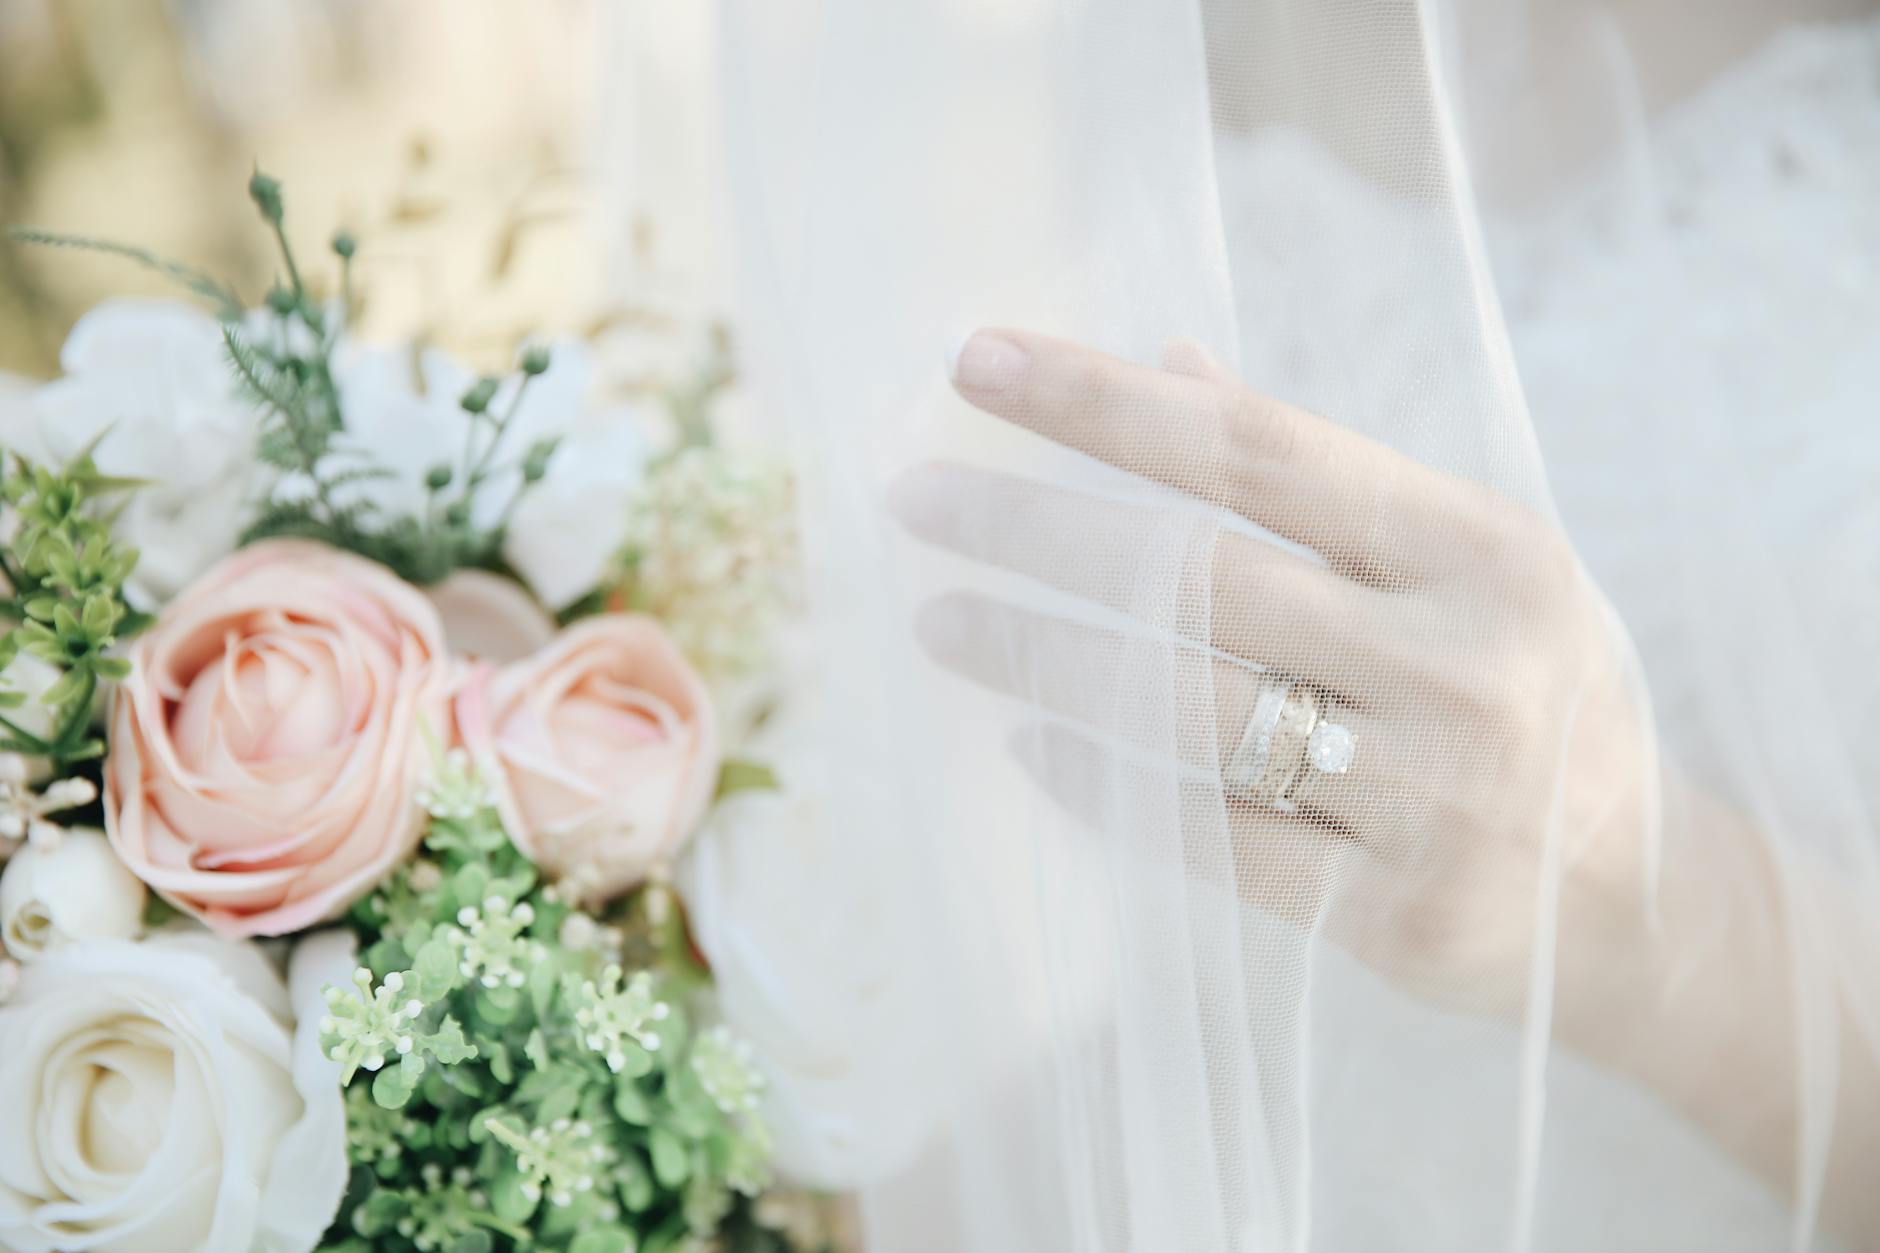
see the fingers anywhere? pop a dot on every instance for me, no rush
(1371, 512)
(1283, 865)
(1251, 599)
(1106, 681)
(1114, 683)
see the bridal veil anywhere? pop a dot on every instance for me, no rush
(1082, 1012)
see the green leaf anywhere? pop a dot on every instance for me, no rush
(636, 1185)
(436, 968)
(737, 775)
(508, 1200)
(690, 1111)
(637, 1062)
(380, 1212)
(670, 1164)
(447, 1043)
(158, 912)
(68, 687)
(561, 1103)
(602, 1240)
(471, 884)
(393, 1086)
(631, 1103)
(498, 1006)
(542, 985)
(98, 616)
(472, 1242)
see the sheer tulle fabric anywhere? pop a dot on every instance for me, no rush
(1137, 1027)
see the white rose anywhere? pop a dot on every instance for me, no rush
(76, 889)
(159, 1100)
(817, 985)
(152, 378)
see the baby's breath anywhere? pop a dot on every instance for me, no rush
(711, 551)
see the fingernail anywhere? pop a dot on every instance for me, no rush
(989, 362)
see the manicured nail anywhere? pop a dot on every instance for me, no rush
(989, 362)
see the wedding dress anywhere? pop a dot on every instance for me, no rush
(1114, 1024)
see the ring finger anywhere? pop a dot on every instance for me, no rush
(1049, 662)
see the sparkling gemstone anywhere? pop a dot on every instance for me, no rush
(1331, 747)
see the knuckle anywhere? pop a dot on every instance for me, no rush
(1096, 384)
(1259, 431)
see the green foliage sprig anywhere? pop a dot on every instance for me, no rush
(291, 382)
(65, 576)
(283, 364)
(517, 1080)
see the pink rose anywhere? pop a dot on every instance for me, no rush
(602, 749)
(265, 749)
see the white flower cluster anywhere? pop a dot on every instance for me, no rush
(711, 551)
(610, 1014)
(558, 1160)
(362, 1030)
(149, 381)
(493, 944)
(725, 1068)
(454, 790)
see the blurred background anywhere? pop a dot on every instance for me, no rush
(495, 162)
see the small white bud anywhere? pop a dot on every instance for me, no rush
(74, 890)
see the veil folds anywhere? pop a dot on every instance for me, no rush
(1100, 1016)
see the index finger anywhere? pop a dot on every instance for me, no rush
(1371, 512)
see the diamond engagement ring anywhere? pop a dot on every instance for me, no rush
(1286, 732)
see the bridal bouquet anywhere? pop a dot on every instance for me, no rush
(356, 709)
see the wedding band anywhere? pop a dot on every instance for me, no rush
(1286, 732)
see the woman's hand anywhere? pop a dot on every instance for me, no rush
(1451, 630)
(1497, 824)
